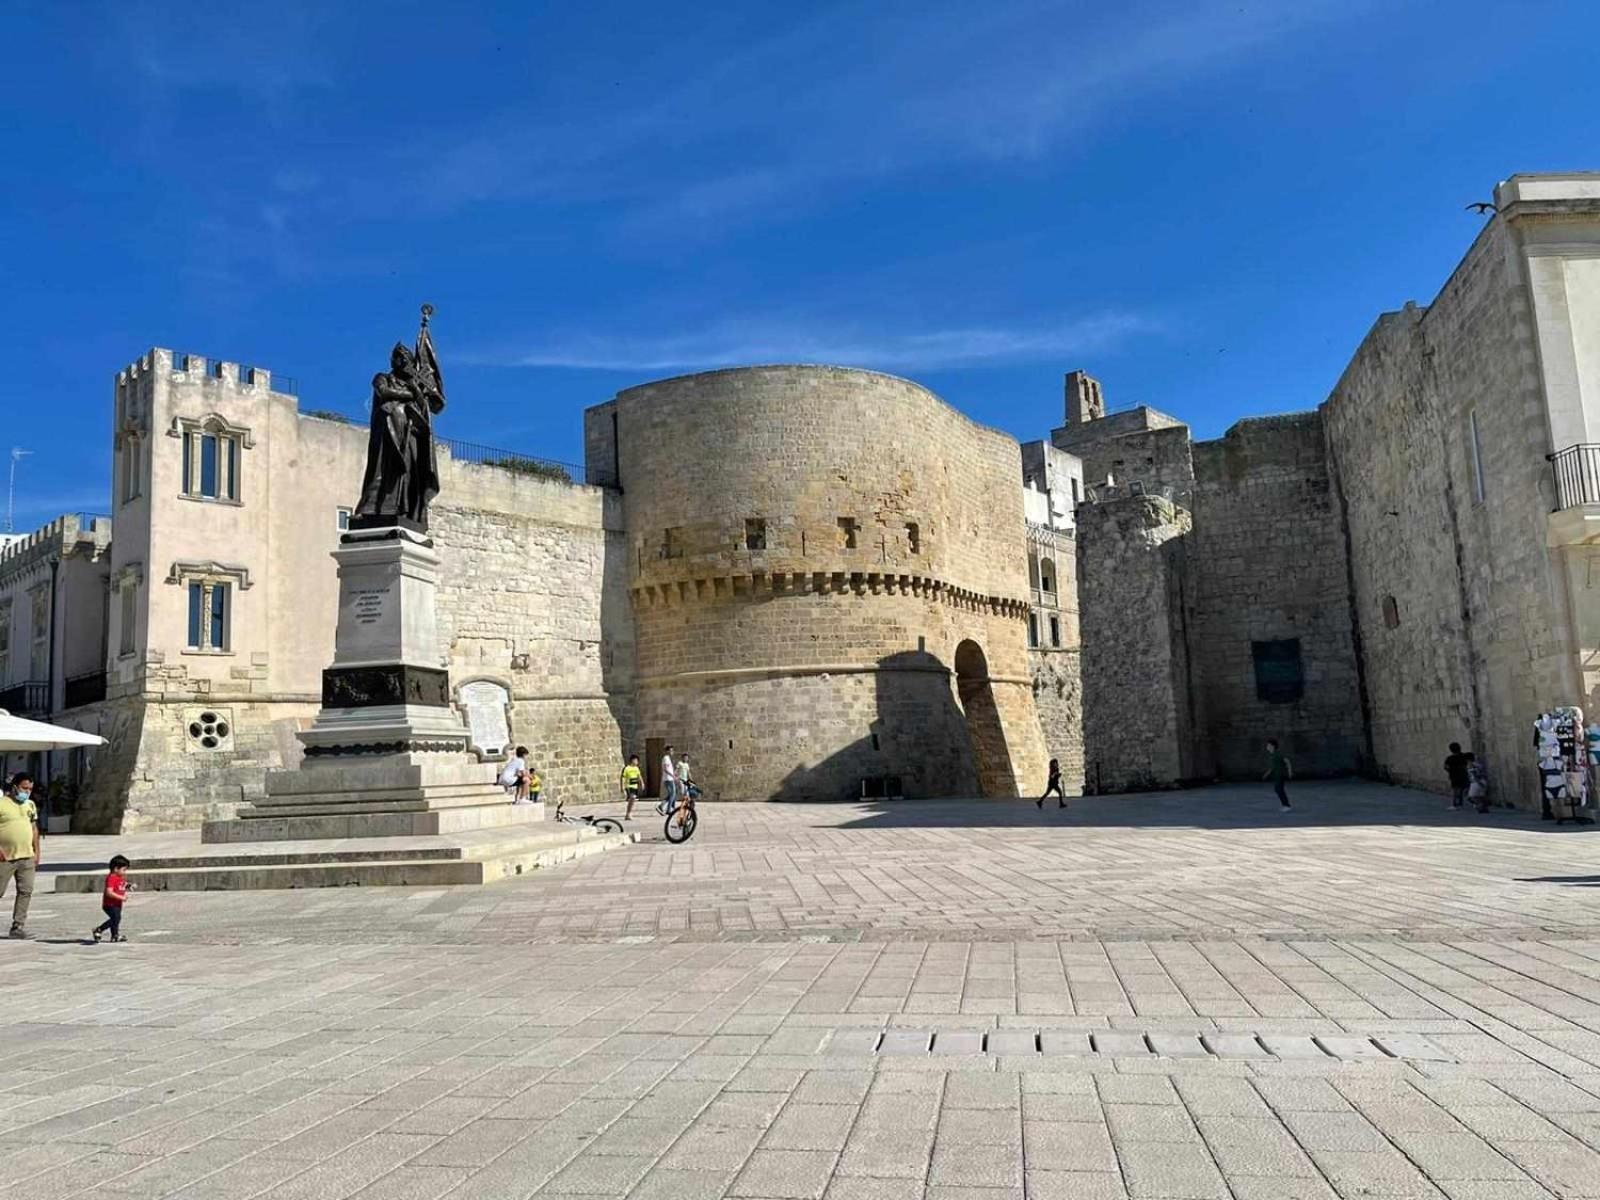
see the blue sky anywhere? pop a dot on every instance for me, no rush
(1205, 205)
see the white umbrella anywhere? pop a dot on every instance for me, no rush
(18, 734)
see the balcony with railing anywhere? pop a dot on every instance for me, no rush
(28, 699)
(1576, 474)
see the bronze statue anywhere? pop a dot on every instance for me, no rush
(402, 471)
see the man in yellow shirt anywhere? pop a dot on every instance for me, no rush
(632, 784)
(19, 847)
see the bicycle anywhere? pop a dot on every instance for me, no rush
(603, 824)
(681, 821)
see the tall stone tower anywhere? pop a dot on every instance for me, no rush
(1084, 400)
(829, 583)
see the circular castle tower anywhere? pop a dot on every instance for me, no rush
(829, 579)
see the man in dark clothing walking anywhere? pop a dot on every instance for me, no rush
(1279, 770)
(1458, 768)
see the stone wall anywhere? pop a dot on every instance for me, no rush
(1268, 566)
(1140, 713)
(1465, 614)
(1058, 697)
(533, 595)
(801, 608)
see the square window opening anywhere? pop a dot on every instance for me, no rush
(1280, 674)
(913, 537)
(848, 528)
(755, 533)
(1055, 631)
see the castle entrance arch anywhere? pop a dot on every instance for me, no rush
(989, 751)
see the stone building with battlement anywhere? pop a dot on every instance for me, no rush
(843, 612)
(822, 582)
(1415, 562)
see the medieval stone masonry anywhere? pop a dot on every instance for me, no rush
(821, 582)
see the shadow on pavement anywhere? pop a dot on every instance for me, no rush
(1224, 806)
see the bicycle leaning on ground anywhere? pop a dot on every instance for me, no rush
(603, 824)
(682, 819)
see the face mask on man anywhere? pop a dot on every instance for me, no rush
(24, 793)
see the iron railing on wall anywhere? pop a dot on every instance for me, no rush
(1577, 475)
(527, 464)
(29, 699)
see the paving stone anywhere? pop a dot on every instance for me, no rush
(1411, 1045)
(1177, 1045)
(1234, 1045)
(1348, 1048)
(810, 1127)
(854, 1041)
(906, 1041)
(958, 1041)
(1074, 1185)
(1065, 1042)
(1120, 1044)
(1013, 1041)
(1288, 1045)
(785, 1175)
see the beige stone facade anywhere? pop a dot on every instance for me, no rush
(830, 585)
(817, 579)
(901, 658)
(1412, 564)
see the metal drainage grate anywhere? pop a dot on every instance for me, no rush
(1125, 1044)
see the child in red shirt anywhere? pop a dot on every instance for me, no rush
(116, 892)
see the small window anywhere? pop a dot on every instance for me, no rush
(1477, 456)
(1047, 575)
(210, 466)
(1033, 629)
(847, 532)
(1077, 491)
(209, 616)
(913, 537)
(130, 611)
(1280, 676)
(130, 469)
(1055, 631)
(755, 533)
(1391, 613)
(341, 519)
(672, 543)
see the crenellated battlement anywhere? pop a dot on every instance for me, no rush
(185, 367)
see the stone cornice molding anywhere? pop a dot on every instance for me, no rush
(188, 569)
(212, 422)
(824, 583)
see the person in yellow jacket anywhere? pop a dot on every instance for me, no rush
(632, 784)
(534, 786)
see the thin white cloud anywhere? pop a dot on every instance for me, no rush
(739, 344)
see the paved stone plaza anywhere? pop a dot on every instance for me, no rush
(1185, 996)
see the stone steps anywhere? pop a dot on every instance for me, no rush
(403, 863)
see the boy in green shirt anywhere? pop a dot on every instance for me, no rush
(632, 784)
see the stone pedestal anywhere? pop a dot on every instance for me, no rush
(386, 756)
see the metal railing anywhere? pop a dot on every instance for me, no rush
(526, 464)
(28, 699)
(88, 688)
(1577, 475)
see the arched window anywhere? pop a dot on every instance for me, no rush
(1047, 574)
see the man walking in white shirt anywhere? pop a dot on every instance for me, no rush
(669, 784)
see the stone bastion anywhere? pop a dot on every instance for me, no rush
(829, 581)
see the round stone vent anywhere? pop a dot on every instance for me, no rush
(209, 730)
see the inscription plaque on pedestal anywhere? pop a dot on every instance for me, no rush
(485, 704)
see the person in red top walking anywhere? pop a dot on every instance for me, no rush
(111, 899)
